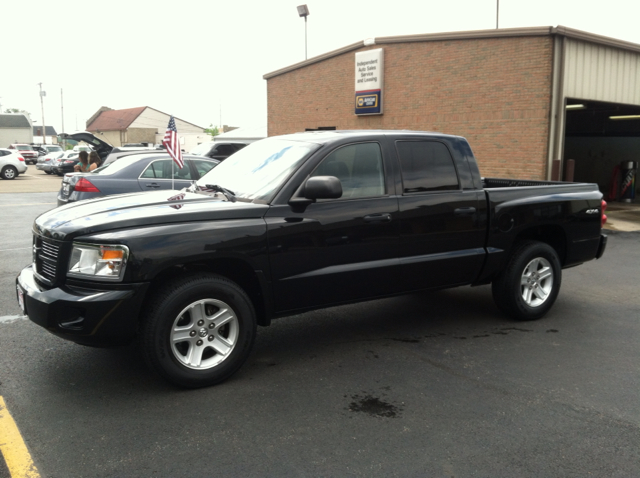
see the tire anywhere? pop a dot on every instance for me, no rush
(48, 172)
(529, 284)
(198, 330)
(9, 172)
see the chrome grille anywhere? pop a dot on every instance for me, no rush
(45, 258)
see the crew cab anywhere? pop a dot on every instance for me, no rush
(295, 223)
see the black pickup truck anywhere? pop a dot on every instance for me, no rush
(294, 223)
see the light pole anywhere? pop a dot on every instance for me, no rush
(303, 11)
(497, 12)
(42, 94)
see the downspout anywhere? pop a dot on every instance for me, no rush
(557, 119)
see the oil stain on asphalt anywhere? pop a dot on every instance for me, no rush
(373, 406)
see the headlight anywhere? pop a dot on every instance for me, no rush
(98, 262)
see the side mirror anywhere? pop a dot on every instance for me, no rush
(317, 187)
(322, 187)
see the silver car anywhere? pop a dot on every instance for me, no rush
(45, 162)
(134, 173)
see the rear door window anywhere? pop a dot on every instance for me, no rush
(426, 166)
(203, 167)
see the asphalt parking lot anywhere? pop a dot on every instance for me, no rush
(33, 181)
(430, 384)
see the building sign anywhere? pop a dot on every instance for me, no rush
(369, 82)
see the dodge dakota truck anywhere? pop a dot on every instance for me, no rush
(295, 223)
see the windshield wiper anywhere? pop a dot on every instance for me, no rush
(230, 195)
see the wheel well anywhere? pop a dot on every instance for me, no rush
(236, 270)
(552, 235)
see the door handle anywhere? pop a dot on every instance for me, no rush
(378, 218)
(464, 211)
(153, 185)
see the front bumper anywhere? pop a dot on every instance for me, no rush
(88, 316)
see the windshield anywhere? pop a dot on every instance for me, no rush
(24, 147)
(260, 169)
(201, 149)
(53, 148)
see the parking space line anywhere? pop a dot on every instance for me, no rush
(13, 448)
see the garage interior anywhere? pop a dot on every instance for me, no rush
(600, 136)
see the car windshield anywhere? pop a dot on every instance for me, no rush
(201, 149)
(25, 147)
(258, 171)
(53, 148)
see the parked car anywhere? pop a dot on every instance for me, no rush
(295, 223)
(219, 150)
(45, 162)
(135, 173)
(52, 148)
(44, 149)
(11, 164)
(65, 163)
(26, 151)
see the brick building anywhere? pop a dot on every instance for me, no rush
(514, 93)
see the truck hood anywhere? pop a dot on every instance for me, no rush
(139, 209)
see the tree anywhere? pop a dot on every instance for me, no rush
(212, 130)
(16, 110)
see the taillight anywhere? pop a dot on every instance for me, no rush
(603, 216)
(85, 186)
(20, 158)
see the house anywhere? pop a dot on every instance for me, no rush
(139, 125)
(15, 128)
(51, 136)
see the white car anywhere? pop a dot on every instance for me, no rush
(11, 164)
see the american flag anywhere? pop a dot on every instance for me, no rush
(177, 197)
(172, 144)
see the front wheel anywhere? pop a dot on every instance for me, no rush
(529, 285)
(198, 330)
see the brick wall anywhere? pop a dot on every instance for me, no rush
(496, 92)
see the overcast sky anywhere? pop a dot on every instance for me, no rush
(203, 61)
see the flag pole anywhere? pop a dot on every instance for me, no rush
(173, 176)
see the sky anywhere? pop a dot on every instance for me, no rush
(204, 61)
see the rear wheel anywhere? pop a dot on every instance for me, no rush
(530, 283)
(9, 172)
(198, 331)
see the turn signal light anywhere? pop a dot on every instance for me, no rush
(603, 216)
(85, 186)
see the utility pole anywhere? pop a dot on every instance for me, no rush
(42, 94)
(64, 143)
